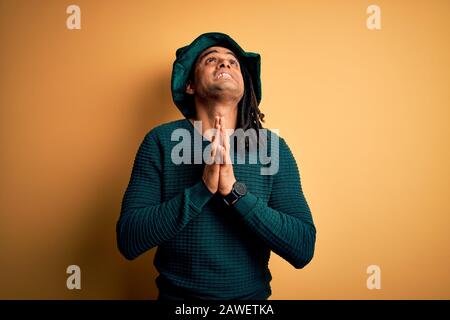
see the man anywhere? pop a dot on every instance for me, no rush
(214, 222)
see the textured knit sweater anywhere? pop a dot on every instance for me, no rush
(207, 249)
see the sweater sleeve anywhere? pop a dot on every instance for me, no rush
(285, 223)
(145, 221)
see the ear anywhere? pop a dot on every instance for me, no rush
(190, 87)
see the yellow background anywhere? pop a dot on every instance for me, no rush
(365, 112)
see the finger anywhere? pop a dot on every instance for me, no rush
(226, 133)
(217, 155)
(217, 122)
(212, 152)
(226, 142)
(227, 157)
(213, 142)
(222, 129)
(222, 135)
(225, 136)
(214, 156)
(213, 149)
(218, 135)
(210, 159)
(215, 126)
(222, 155)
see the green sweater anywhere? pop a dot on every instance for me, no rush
(207, 249)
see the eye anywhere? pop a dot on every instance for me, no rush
(210, 59)
(232, 61)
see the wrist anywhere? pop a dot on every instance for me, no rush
(238, 191)
(227, 190)
(208, 187)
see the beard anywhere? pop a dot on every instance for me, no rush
(222, 91)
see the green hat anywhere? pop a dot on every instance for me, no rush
(186, 57)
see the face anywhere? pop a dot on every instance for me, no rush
(217, 75)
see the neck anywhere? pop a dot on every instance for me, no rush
(207, 112)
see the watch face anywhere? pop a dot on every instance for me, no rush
(240, 188)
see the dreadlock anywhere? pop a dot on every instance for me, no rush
(249, 115)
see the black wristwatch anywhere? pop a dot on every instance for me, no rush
(238, 191)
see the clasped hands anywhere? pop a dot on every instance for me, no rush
(218, 174)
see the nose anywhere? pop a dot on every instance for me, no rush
(223, 63)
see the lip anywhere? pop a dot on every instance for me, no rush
(223, 75)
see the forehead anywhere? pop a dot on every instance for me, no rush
(219, 49)
(215, 49)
